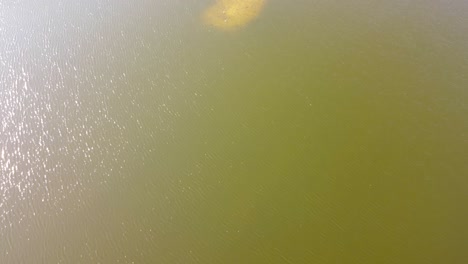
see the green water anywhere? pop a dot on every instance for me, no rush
(322, 132)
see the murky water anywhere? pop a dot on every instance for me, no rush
(314, 132)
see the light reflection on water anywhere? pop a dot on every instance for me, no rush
(320, 132)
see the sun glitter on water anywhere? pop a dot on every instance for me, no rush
(230, 15)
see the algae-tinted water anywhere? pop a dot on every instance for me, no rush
(321, 132)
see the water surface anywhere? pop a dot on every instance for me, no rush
(319, 132)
